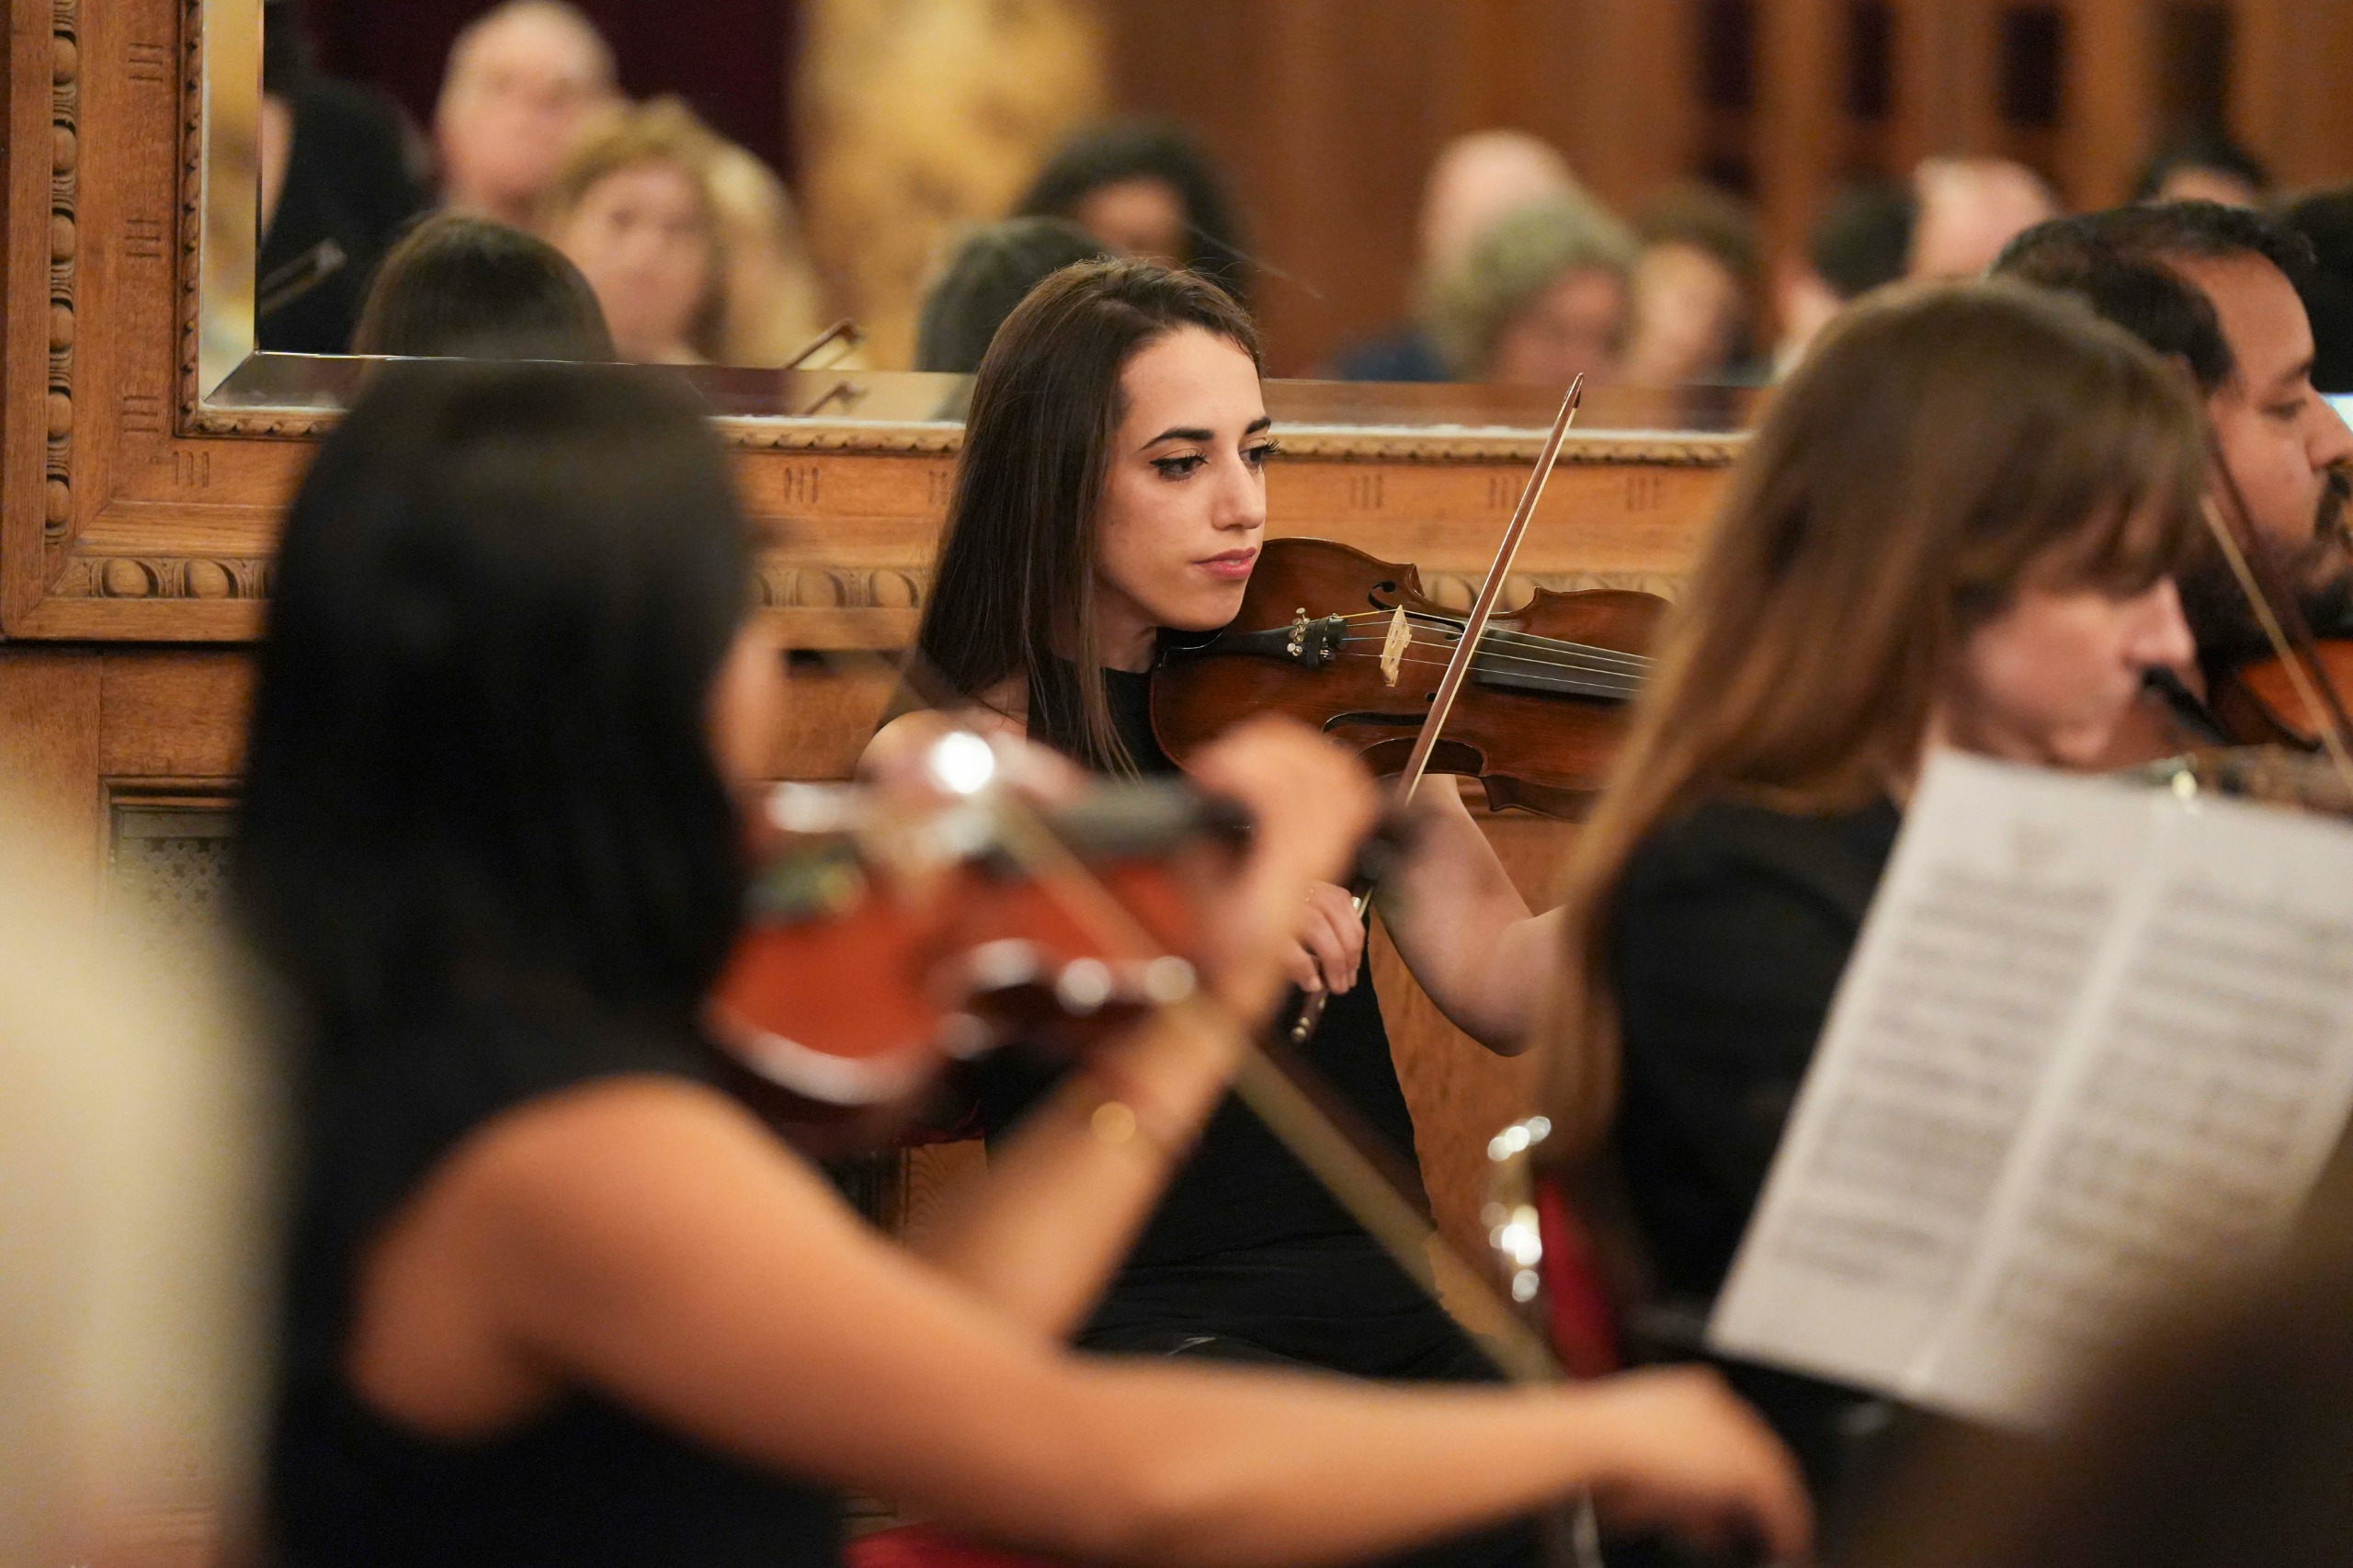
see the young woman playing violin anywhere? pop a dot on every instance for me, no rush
(1955, 526)
(554, 1298)
(1113, 491)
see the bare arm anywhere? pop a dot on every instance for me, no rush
(648, 1239)
(1465, 931)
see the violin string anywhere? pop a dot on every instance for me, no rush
(1496, 656)
(1505, 637)
(1565, 656)
(1545, 656)
(1521, 638)
(1619, 685)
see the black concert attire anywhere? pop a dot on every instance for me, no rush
(1247, 1257)
(584, 1482)
(350, 189)
(1728, 932)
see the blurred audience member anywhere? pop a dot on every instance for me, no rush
(2325, 218)
(1146, 190)
(991, 269)
(1693, 290)
(1862, 240)
(137, 1236)
(340, 174)
(2204, 166)
(1971, 207)
(468, 287)
(1476, 179)
(1540, 298)
(523, 81)
(2220, 1440)
(634, 208)
(773, 300)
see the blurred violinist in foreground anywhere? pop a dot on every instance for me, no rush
(554, 1298)
(1996, 578)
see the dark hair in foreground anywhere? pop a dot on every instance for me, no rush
(1013, 591)
(468, 287)
(1120, 150)
(479, 775)
(2224, 1436)
(988, 273)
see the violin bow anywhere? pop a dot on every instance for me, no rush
(1458, 666)
(2282, 623)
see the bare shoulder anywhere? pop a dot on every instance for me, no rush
(643, 1134)
(895, 740)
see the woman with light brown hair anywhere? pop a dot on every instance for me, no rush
(1955, 526)
(636, 207)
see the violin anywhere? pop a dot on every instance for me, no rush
(891, 930)
(1355, 646)
(2258, 703)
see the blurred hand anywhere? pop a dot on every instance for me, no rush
(1692, 1459)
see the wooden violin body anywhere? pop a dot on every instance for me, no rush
(2258, 703)
(1354, 647)
(883, 939)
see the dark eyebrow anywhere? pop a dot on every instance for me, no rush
(1194, 432)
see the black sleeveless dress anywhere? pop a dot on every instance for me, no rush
(1247, 1256)
(584, 1484)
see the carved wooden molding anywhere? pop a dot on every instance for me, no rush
(944, 441)
(64, 254)
(1416, 447)
(191, 214)
(163, 577)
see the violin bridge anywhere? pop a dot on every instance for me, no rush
(1393, 647)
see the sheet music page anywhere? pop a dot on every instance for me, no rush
(2204, 1090)
(2089, 1037)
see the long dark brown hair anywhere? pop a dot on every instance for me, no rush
(1013, 589)
(1937, 448)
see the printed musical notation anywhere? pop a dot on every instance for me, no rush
(2093, 1041)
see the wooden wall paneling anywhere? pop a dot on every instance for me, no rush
(2111, 99)
(1944, 86)
(1616, 82)
(50, 750)
(1800, 119)
(2287, 88)
(173, 714)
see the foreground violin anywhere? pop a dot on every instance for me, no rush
(1356, 647)
(889, 930)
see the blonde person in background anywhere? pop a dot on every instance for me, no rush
(1540, 297)
(523, 81)
(135, 1230)
(635, 207)
(775, 304)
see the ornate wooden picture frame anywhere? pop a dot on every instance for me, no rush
(140, 509)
